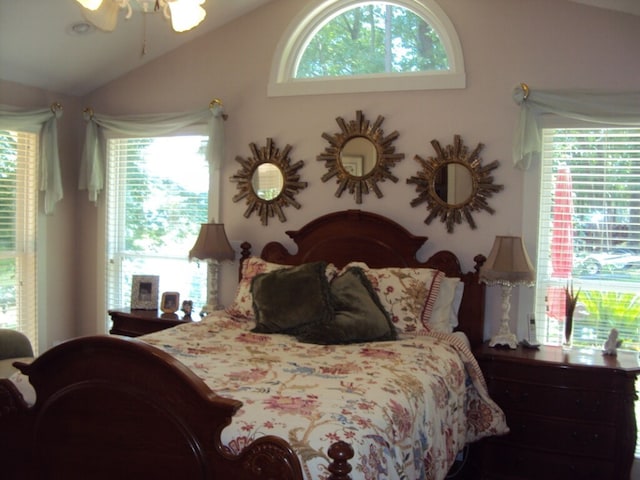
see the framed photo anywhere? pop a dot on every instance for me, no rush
(170, 302)
(352, 164)
(144, 292)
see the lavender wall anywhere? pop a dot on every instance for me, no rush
(546, 43)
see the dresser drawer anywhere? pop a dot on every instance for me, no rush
(571, 414)
(506, 461)
(561, 436)
(553, 400)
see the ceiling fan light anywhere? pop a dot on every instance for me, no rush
(90, 4)
(105, 17)
(186, 14)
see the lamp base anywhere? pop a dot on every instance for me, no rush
(504, 335)
(504, 339)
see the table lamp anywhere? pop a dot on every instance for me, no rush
(508, 265)
(213, 246)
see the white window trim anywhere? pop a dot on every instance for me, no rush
(308, 21)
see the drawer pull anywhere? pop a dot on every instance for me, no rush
(524, 396)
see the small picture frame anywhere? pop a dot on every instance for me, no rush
(170, 302)
(144, 292)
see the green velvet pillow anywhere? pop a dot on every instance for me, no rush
(288, 299)
(358, 314)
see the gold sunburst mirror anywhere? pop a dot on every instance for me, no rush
(268, 181)
(360, 156)
(454, 183)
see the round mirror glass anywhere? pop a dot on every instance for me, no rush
(453, 183)
(267, 181)
(358, 156)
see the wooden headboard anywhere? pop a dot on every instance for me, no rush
(356, 235)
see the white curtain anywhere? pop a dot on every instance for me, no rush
(49, 169)
(622, 108)
(93, 154)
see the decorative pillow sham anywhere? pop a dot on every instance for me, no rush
(444, 315)
(286, 300)
(242, 306)
(407, 294)
(358, 315)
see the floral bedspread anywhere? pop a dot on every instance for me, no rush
(407, 407)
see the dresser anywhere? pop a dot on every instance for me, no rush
(133, 323)
(571, 414)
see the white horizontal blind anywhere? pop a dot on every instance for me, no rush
(157, 197)
(589, 235)
(18, 210)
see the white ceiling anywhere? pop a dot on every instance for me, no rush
(37, 49)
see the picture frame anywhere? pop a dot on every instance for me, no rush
(144, 292)
(170, 302)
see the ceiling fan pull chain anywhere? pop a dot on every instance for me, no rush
(144, 35)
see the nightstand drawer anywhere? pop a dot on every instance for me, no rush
(505, 461)
(561, 436)
(555, 375)
(558, 401)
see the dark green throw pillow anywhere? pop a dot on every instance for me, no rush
(288, 299)
(358, 315)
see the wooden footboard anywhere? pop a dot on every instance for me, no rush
(111, 407)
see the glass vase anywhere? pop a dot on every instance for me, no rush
(567, 338)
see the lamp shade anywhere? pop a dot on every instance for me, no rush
(508, 263)
(212, 243)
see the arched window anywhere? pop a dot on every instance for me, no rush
(340, 46)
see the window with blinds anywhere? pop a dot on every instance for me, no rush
(18, 222)
(157, 197)
(589, 234)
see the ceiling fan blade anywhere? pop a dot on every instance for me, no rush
(105, 17)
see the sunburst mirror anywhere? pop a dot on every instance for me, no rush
(454, 183)
(360, 156)
(268, 181)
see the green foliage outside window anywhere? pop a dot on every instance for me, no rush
(152, 225)
(8, 170)
(370, 39)
(607, 310)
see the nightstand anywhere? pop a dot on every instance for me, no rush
(133, 323)
(571, 414)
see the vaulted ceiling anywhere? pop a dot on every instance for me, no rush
(38, 45)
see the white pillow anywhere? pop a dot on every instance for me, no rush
(444, 315)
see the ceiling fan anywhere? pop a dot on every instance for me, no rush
(184, 14)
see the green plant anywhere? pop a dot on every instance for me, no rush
(613, 309)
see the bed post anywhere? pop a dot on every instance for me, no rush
(245, 252)
(340, 453)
